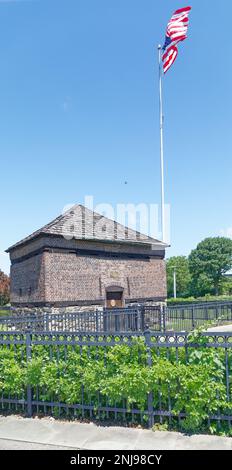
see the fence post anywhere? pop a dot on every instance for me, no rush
(104, 322)
(142, 313)
(217, 312)
(96, 315)
(29, 391)
(147, 335)
(47, 321)
(193, 322)
(163, 310)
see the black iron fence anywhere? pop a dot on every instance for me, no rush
(187, 318)
(138, 318)
(129, 319)
(51, 348)
(184, 303)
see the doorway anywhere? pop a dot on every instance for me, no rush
(114, 297)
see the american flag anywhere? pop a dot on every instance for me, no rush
(176, 31)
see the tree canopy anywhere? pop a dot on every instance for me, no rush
(4, 288)
(203, 271)
(209, 262)
(183, 277)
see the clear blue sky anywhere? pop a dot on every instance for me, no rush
(79, 113)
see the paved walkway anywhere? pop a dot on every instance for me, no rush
(37, 433)
(221, 329)
(6, 444)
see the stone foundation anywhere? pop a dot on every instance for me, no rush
(75, 309)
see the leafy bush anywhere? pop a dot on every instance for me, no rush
(193, 300)
(120, 375)
(12, 373)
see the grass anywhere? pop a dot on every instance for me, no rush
(4, 313)
(186, 324)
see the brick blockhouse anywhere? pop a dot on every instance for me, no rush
(83, 258)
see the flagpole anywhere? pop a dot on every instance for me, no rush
(161, 144)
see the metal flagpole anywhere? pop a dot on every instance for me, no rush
(161, 144)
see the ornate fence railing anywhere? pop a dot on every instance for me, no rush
(111, 321)
(65, 353)
(138, 318)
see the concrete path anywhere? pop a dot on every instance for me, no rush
(19, 445)
(48, 432)
(221, 329)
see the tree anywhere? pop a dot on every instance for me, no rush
(208, 263)
(4, 288)
(183, 277)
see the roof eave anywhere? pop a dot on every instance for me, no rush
(159, 244)
(24, 242)
(156, 244)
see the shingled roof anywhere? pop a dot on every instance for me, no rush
(82, 223)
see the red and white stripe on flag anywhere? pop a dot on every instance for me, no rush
(169, 57)
(176, 31)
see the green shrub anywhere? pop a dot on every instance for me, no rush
(12, 374)
(120, 375)
(206, 298)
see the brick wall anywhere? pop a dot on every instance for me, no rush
(63, 277)
(28, 280)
